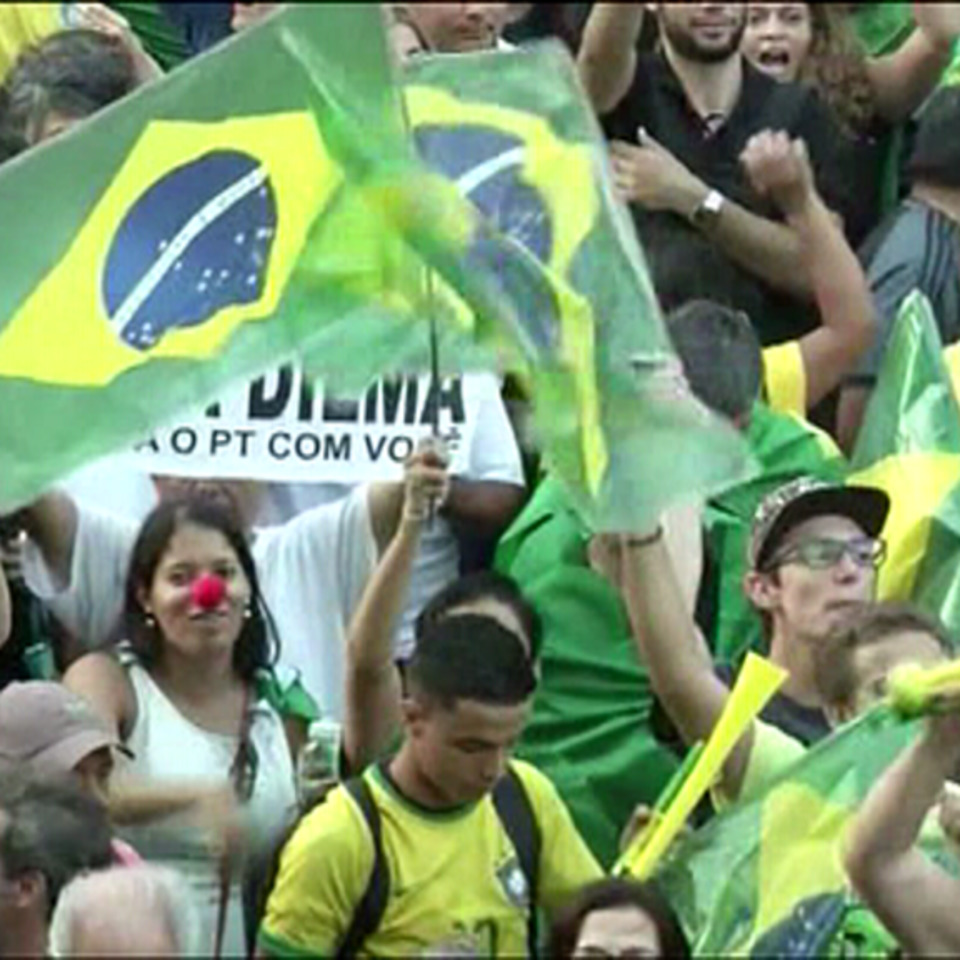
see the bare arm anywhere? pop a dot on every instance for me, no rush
(850, 413)
(668, 642)
(608, 52)
(831, 352)
(51, 522)
(104, 683)
(916, 900)
(779, 168)
(653, 178)
(372, 712)
(903, 80)
(766, 249)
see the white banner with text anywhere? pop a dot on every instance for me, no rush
(283, 428)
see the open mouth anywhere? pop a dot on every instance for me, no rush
(774, 61)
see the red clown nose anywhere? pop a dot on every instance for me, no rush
(207, 592)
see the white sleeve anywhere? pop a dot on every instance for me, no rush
(494, 454)
(89, 606)
(337, 541)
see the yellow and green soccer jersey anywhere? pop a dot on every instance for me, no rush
(450, 875)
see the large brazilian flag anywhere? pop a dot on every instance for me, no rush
(146, 251)
(909, 446)
(516, 135)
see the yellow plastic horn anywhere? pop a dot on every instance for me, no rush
(758, 681)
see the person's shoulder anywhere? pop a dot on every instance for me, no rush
(905, 235)
(538, 786)
(335, 827)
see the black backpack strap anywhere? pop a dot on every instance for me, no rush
(373, 904)
(520, 823)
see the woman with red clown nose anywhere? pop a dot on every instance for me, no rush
(181, 692)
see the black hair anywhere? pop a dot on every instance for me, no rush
(721, 356)
(936, 150)
(834, 673)
(468, 657)
(52, 827)
(612, 894)
(10, 143)
(256, 647)
(484, 585)
(74, 73)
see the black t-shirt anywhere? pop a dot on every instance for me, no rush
(684, 264)
(863, 161)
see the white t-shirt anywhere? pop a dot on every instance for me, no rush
(491, 455)
(312, 573)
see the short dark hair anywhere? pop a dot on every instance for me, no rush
(936, 150)
(484, 585)
(612, 894)
(720, 354)
(73, 72)
(469, 657)
(256, 647)
(833, 659)
(52, 827)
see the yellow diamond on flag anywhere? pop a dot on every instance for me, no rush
(917, 483)
(198, 233)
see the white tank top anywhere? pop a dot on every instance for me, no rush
(168, 747)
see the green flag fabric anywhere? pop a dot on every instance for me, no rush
(909, 445)
(501, 126)
(589, 728)
(152, 242)
(765, 877)
(784, 447)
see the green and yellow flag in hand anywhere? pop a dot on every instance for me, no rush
(765, 878)
(206, 226)
(516, 135)
(909, 446)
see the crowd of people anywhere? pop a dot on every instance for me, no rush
(364, 728)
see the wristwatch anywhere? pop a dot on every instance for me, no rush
(709, 210)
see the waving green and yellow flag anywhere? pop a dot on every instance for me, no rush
(909, 446)
(515, 134)
(196, 231)
(766, 879)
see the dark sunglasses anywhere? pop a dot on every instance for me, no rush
(824, 554)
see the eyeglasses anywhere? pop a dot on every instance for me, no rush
(824, 554)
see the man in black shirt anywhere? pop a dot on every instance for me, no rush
(680, 119)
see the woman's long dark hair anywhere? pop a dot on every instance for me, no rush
(617, 894)
(256, 647)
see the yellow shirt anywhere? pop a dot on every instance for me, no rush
(771, 752)
(24, 24)
(785, 378)
(448, 875)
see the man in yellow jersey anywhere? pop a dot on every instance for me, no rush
(448, 848)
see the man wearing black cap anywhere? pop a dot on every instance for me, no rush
(814, 553)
